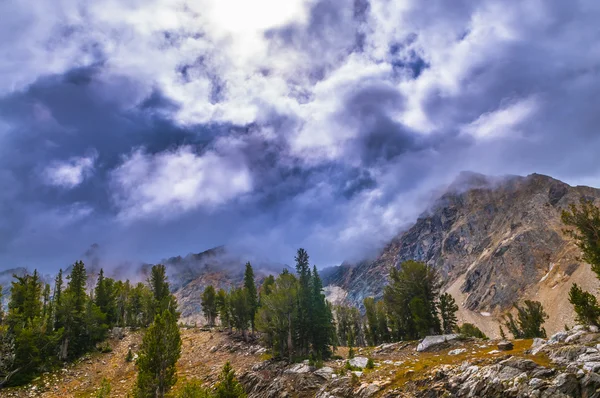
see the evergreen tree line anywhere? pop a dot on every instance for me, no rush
(290, 311)
(46, 325)
(412, 307)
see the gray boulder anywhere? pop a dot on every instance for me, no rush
(432, 341)
(359, 362)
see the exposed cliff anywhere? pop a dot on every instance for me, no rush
(495, 240)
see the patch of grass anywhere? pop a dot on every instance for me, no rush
(416, 368)
(266, 356)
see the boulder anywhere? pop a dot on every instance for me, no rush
(457, 351)
(359, 362)
(432, 341)
(505, 345)
(325, 372)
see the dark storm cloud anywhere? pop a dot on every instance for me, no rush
(326, 130)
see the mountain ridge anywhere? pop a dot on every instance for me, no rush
(494, 240)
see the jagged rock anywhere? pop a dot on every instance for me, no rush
(359, 362)
(300, 368)
(431, 341)
(505, 346)
(558, 337)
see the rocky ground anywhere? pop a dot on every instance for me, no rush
(565, 365)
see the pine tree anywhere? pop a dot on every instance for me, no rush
(1, 307)
(209, 304)
(163, 299)
(321, 320)
(383, 328)
(105, 298)
(372, 331)
(585, 305)
(411, 298)
(448, 309)
(277, 315)
(158, 355)
(251, 293)
(228, 386)
(72, 313)
(240, 310)
(304, 303)
(56, 297)
(530, 319)
(585, 223)
(223, 308)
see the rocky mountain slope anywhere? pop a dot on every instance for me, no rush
(495, 241)
(566, 365)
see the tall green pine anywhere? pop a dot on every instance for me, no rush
(251, 293)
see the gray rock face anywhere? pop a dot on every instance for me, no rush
(430, 342)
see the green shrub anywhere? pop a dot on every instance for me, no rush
(193, 389)
(370, 364)
(104, 391)
(470, 330)
(105, 348)
(129, 356)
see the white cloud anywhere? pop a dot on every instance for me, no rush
(503, 122)
(169, 183)
(69, 174)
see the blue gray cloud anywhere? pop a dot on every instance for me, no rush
(159, 128)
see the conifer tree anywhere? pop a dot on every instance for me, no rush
(372, 332)
(240, 310)
(72, 313)
(530, 318)
(383, 328)
(277, 315)
(228, 386)
(448, 309)
(105, 297)
(223, 308)
(584, 221)
(56, 298)
(163, 299)
(209, 304)
(158, 355)
(1, 307)
(251, 293)
(411, 298)
(585, 305)
(321, 322)
(304, 301)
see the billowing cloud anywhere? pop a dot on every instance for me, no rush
(272, 125)
(70, 173)
(172, 182)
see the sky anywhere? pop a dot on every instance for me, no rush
(161, 127)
